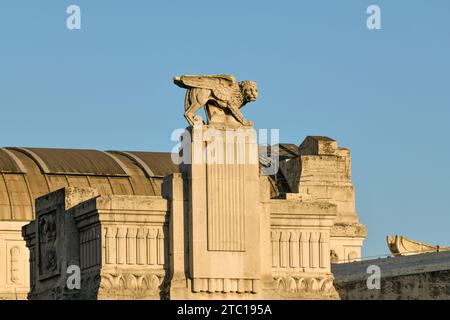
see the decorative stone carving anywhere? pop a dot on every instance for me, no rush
(308, 287)
(402, 246)
(125, 285)
(138, 282)
(48, 260)
(221, 95)
(15, 261)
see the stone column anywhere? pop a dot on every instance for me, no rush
(173, 191)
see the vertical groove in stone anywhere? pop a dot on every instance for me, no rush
(275, 248)
(226, 200)
(324, 251)
(93, 246)
(161, 246)
(151, 246)
(85, 252)
(233, 190)
(230, 211)
(217, 204)
(229, 216)
(314, 250)
(111, 245)
(284, 249)
(235, 205)
(88, 252)
(98, 247)
(121, 246)
(242, 211)
(219, 209)
(82, 260)
(294, 250)
(304, 249)
(90, 248)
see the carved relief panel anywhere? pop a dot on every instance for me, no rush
(15, 267)
(14, 264)
(47, 245)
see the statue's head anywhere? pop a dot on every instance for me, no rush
(249, 90)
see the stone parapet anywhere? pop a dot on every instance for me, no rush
(300, 247)
(422, 276)
(118, 244)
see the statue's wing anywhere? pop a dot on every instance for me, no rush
(220, 85)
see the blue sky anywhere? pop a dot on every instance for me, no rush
(385, 94)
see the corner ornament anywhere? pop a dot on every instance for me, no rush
(221, 96)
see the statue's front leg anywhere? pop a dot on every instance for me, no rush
(239, 117)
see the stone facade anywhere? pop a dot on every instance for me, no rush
(206, 237)
(340, 235)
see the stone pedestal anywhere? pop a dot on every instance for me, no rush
(224, 210)
(229, 240)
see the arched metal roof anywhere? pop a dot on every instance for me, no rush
(155, 164)
(28, 173)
